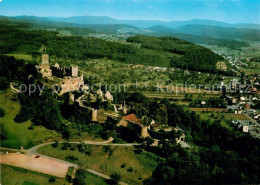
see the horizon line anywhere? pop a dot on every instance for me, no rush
(126, 19)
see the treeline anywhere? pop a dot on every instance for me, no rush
(191, 56)
(12, 70)
(155, 51)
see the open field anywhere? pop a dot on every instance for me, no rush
(41, 164)
(18, 133)
(21, 56)
(209, 109)
(13, 175)
(94, 180)
(110, 161)
(178, 95)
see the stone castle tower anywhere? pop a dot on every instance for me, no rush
(74, 71)
(45, 67)
(94, 115)
(144, 132)
(45, 59)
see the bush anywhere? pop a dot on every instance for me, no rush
(3, 133)
(4, 84)
(31, 127)
(130, 169)
(52, 179)
(80, 177)
(55, 144)
(71, 158)
(69, 174)
(2, 112)
(115, 178)
(73, 147)
(65, 146)
(123, 165)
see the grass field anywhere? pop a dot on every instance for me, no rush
(224, 117)
(21, 56)
(179, 96)
(143, 164)
(18, 133)
(94, 180)
(18, 176)
(209, 109)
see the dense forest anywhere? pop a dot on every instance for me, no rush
(155, 51)
(187, 55)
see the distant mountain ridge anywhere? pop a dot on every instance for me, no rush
(199, 34)
(140, 23)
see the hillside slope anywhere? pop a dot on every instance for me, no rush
(186, 54)
(155, 51)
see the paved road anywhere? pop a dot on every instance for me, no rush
(33, 151)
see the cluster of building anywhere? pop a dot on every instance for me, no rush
(247, 127)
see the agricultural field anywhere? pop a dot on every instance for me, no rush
(18, 133)
(131, 166)
(13, 175)
(252, 69)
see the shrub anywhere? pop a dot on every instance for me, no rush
(3, 133)
(55, 144)
(65, 146)
(2, 112)
(115, 178)
(73, 147)
(123, 165)
(69, 174)
(31, 127)
(52, 179)
(130, 169)
(80, 177)
(71, 158)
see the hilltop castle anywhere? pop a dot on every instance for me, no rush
(68, 76)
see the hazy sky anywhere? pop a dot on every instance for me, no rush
(232, 11)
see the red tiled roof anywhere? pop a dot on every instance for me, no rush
(132, 118)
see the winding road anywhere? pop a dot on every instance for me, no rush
(33, 152)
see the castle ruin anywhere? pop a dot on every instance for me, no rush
(68, 76)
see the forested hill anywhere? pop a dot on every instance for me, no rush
(185, 54)
(155, 51)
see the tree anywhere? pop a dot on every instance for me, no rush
(4, 84)
(2, 112)
(115, 178)
(3, 133)
(52, 179)
(80, 177)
